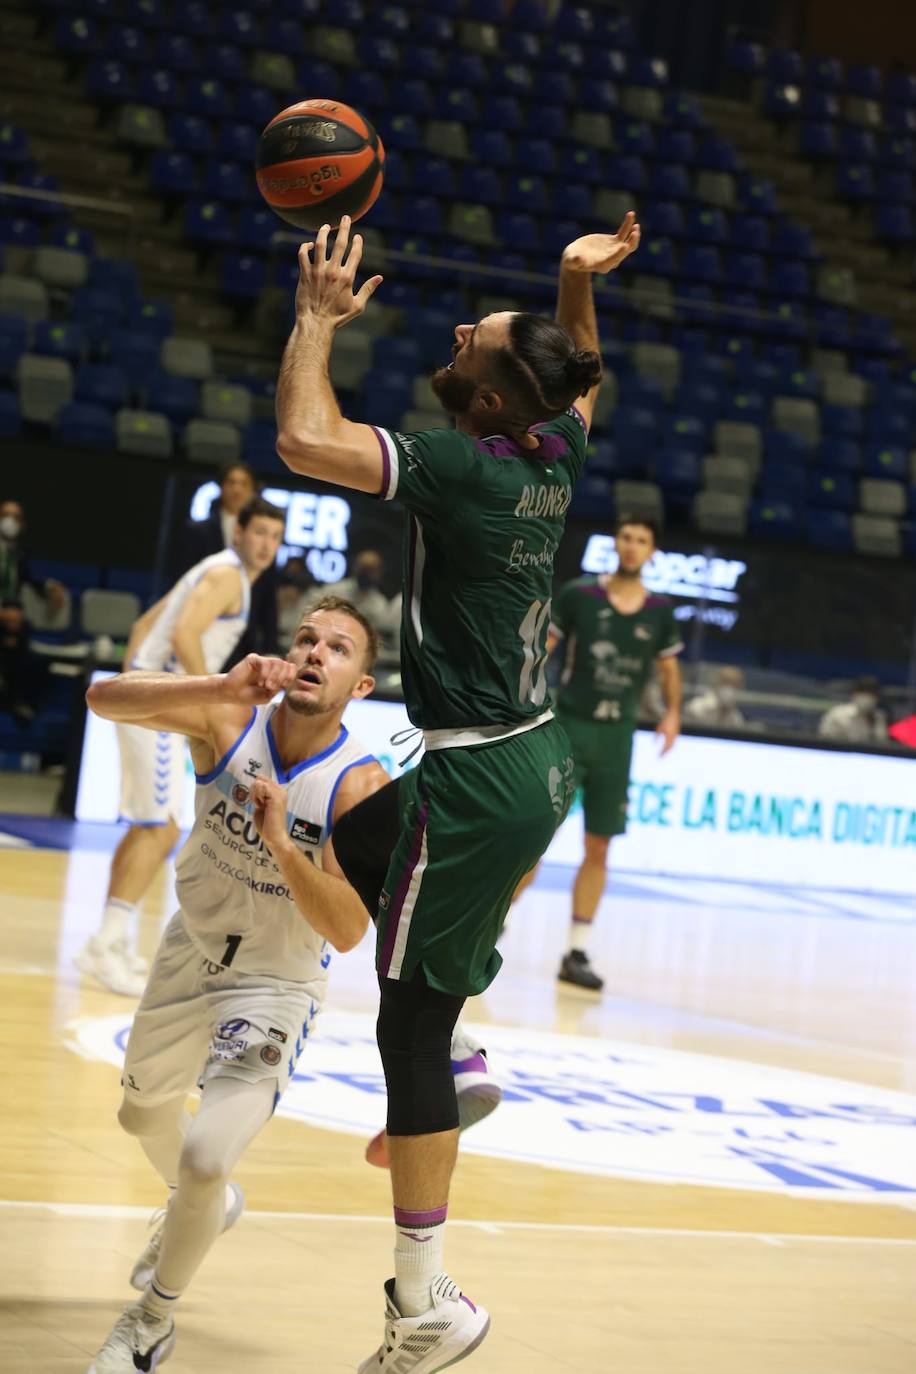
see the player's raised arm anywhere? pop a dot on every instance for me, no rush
(313, 437)
(188, 705)
(580, 260)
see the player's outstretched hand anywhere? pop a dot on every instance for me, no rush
(269, 801)
(325, 289)
(603, 252)
(256, 680)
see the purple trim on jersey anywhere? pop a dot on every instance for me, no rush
(329, 818)
(397, 906)
(552, 446)
(476, 1064)
(412, 1220)
(287, 774)
(386, 463)
(203, 778)
(655, 599)
(577, 414)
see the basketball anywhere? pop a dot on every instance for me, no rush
(317, 161)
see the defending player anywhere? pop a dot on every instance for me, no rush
(613, 630)
(192, 630)
(242, 967)
(487, 505)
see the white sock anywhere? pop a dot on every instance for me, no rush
(579, 934)
(116, 920)
(419, 1238)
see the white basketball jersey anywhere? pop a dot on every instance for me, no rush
(235, 903)
(156, 654)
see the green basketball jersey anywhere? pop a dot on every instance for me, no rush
(609, 654)
(484, 518)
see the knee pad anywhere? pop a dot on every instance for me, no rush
(414, 1032)
(363, 842)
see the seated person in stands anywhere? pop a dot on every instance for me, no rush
(21, 671)
(297, 586)
(363, 588)
(717, 706)
(858, 720)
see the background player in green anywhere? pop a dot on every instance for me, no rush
(486, 505)
(613, 630)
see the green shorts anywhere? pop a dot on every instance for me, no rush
(473, 822)
(602, 751)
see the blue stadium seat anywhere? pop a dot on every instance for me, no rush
(750, 407)
(635, 429)
(432, 332)
(425, 62)
(607, 64)
(828, 529)
(895, 224)
(176, 52)
(817, 141)
(707, 225)
(69, 236)
(596, 95)
(10, 418)
(190, 134)
(457, 103)
(895, 187)
(615, 27)
(415, 97)
(97, 312)
(857, 145)
(109, 81)
(783, 64)
(744, 56)
(401, 131)
(783, 482)
(56, 339)
(77, 35)
(435, 29)
(115, 274)
(758, 196)
(801, 382)
(831, 324)
(686, 433)
(366, 89)
(128, 43)
(855, 182)
(755, 374)
(888, 427)
(793, 240)
(700, 262)
(843, 422)
(393, 20)
(746, 269)
(541, 153)
(677, 472)
(88, 426)
(522, 230)
(150, 14)
(14, 145)
(208, 98)
(647, 71)
(176, 397)
(675, 145)
(243, 276)
(900, 88)
(575, 23)
(664, 217)
(826, 73)
(237, 143)
(576, 200)
(634, 136)
(703, 399)
(886, 461)
(900, 120)
(503, 112)
(864, 81)
(831, 490)
(403, 354)
(820, 105)
(102, 384)
(668, 181)
(316, 75)
(780, 521)
(425, 210)
(752, 232)
(436, 176)
(239, 26)
(227, 181)
(207, 222)
(601, 458)
(193, 18)
(173, 173)
(522, 47)
(156, 318)
(158, 87)
(528, 192)
(255, 228)
(717, 154)
(657, 257)
(467, 69)
(530, 14)
(781, 101)
(513, 79)
(14, 341)
(478, 185)
(897, 152)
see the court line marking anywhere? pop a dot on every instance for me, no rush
(116, 1212)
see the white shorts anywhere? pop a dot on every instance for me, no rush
(197, 1020)
(152, 774)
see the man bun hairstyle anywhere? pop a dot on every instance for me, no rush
(542, 372)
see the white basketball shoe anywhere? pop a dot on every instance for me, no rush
(451, 1330)
(138, 1341)
(477, 1091)
(142, 1273)
(114, 966)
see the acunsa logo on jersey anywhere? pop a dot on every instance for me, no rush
(237, 823)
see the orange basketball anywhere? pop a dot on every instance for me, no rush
(317, 161)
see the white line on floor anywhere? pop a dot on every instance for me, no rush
(118, 1213)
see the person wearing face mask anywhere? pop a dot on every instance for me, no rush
(858, 720)
(364, 588)
(717, 707)
(21, 671)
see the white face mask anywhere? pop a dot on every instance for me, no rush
(727, 695)
(10, 527)
(864, 702)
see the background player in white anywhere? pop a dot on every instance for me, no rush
(191, 630)
(242, 967)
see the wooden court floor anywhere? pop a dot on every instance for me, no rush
(580, 1270)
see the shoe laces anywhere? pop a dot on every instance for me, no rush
(134, 1331)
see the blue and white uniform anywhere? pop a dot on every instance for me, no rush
(240, 974)
(153, 762)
